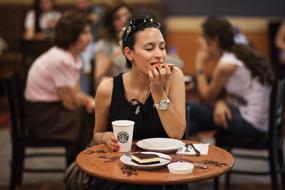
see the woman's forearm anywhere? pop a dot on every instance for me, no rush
(102, 137)
(203, 86)
(172, 122)
(98, 137)
(69, 98)
(174, 125)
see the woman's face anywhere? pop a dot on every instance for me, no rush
(211, 45)
(84, 39)
(82, 4)
(46, 5)
(121, 17)
(149, 49)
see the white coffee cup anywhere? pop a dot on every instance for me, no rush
(123, 130)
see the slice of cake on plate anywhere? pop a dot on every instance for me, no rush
(145, 159)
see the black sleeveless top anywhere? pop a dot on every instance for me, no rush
(147, 122)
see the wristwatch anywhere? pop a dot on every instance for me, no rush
(163, 104)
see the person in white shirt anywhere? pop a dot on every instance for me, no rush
(41, 19)
(109, 60)
(236, 100)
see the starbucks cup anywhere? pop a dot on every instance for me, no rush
(123, 130)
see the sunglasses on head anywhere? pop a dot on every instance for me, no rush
(137, 23)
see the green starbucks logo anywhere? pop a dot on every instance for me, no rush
(123, 137)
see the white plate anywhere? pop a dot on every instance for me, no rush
(128, 161)
(160, 144)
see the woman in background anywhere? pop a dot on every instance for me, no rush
(109, 60)
(237, 97)
(280, 42)
(55, 104)
(42, 19)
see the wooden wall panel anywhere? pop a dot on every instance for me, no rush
(260, 41)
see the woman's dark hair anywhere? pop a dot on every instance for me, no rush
(108, 31)
(135, 25)
(69, 27)
(149, 12)
(220, 28)
(38, 12)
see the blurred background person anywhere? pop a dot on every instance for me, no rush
(280, 42)
(96, 14)
(109, 58)
(41, 19)
(3, 45)
(236, 100)
(55, 104)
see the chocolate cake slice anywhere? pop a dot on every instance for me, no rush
(145, 159)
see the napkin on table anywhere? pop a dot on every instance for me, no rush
(203, 148)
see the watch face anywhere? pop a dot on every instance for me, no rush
(164, 104)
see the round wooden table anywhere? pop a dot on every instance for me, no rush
(218, 160)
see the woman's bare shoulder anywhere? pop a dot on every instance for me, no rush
(177, 74)
(176, 78)
(105, 88)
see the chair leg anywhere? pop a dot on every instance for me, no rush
(283, 177)
(16, 167)
(228, 179)
(281, 165)
(21, 165)
(273, 169)
(216, 183)
(228, 175)
(71, 153)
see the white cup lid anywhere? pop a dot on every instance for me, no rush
(123, 123)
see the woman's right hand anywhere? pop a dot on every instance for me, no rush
(109, 139)
(159, 75)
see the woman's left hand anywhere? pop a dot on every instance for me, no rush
(89, 103)
(109, 139)
(159, 75)
(202, 56)
(222, 114)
